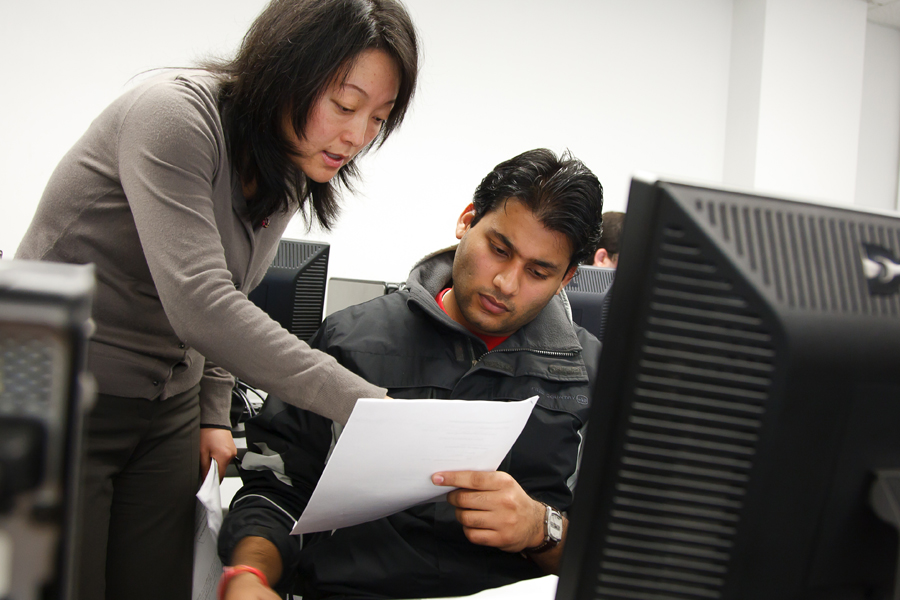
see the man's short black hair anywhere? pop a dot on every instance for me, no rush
(563, 194)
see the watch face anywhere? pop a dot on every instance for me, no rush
(555, 526)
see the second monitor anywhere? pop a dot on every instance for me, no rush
(743, 440)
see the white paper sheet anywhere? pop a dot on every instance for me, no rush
(389, 449)
(208, 522)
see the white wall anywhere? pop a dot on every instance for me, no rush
(744, 89)
(879, 131)
(638, 85)
(65, 61)
(626, 85)
(796, 90)
(811, 98)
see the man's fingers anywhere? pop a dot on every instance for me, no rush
(489, 537)
(482, 537)
(492, 508)
(471, 499)
(472, 480)
(487, 518)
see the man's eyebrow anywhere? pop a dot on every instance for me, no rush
(541, 263)
(364, 92)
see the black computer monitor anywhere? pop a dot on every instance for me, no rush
(748, 397)
(589, 294)
(45, 392)
(293, 289)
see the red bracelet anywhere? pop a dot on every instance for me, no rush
(229, 572)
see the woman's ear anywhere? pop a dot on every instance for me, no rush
(465, 221)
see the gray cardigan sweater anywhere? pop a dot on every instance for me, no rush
(149, 196)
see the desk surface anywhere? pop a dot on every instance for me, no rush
(542, 588)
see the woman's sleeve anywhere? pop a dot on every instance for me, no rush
(168, 152)
(215, 396)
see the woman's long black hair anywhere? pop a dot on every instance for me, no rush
(293, 51)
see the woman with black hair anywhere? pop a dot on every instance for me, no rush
(179, 193)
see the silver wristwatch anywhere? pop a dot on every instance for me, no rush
(553, 531)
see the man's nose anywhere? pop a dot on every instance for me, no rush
(507, 281)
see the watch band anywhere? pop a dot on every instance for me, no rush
(550, 540)
(547, 545)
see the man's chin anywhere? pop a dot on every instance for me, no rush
(492, 330)
(484, 323)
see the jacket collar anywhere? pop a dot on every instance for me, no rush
(551, 330)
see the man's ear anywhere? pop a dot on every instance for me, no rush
(465, 221)
(569, 275)
(601, 258)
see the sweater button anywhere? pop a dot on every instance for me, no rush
(155, 382)
(181, 346)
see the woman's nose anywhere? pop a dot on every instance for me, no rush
(355, 133)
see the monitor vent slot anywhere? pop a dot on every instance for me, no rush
(591, 279)
(309, 298)
(703, 380)
(32, 371)
(811, 260)
(291, 254)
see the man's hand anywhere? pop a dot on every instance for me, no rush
(247, 586)
(218, 444)
(494, 510)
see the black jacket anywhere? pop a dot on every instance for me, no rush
(406, 343)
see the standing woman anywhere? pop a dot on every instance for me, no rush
(179, 193)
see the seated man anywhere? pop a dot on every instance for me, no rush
(607, 253)
(481, 321)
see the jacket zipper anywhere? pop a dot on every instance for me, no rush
(554, 353)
